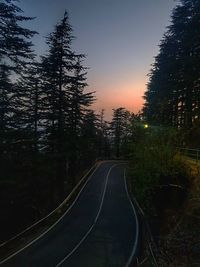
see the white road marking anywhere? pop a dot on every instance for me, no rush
(33, 241)
(48, 215)
(92, 226)
(88, 232)
(137, 225)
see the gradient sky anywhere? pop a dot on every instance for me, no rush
(119, 37)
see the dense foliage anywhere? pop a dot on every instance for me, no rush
(172, 96)
(48, 133)
(156, 168)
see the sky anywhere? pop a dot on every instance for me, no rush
(119, 37)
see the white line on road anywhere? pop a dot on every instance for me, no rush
(33, 241)
(92, 226)
(137, 225)
(48, 215)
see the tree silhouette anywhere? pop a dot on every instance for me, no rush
(118, 127)
(172, 96)
(15, 47)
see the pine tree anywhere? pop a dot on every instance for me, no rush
(29, 98)
(89, 138)
(6, 89)
(15, 47)
(103, 136)
(118, 128)
(66, 102)
(172, 95)
(163, 83)
(15, 53)
(57, 69)
(101, 133)
(79, 101)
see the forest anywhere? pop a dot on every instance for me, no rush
(166, 182)
(50, 135)
(172, 96)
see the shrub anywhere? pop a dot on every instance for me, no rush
(159, 175)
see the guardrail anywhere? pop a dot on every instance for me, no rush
(191, 153)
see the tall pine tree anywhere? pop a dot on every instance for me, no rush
(64, 83)
(172, 96)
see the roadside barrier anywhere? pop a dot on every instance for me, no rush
(191, 153)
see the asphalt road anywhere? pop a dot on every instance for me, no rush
(100, 230)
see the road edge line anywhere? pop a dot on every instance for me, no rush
(137, 223)
(95, 220)
(69, 208)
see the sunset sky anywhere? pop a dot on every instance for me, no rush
(119, 37)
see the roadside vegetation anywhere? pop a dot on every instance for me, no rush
(156, 165)
(167, 187)
(167, 184)
(49, 133)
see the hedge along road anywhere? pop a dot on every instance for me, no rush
(101, 228)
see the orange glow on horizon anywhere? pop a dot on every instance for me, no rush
(127, 96)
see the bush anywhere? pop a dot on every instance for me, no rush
(159, 175)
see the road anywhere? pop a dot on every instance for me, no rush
(100, 230)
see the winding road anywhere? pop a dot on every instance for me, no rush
(99, 230)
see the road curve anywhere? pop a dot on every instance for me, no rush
(100, 230)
